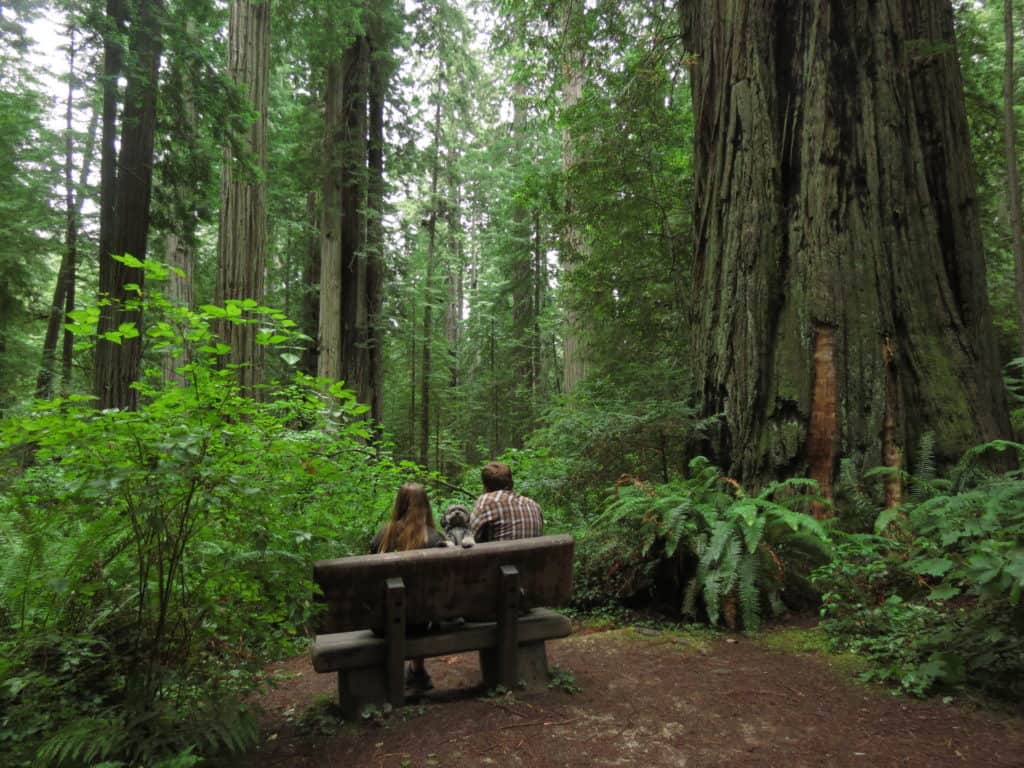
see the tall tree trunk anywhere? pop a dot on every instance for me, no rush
(539, 283)
(428, 292)
(355, 361)
(242, 239)
(64, 291)
(1013, 195)
(117, 365)
(453, 276)
(378, 84)
(574, 368)
(520, 415)
(343, 229)
(113, 61)
(309, 320)
(178, 254)
(839, 275)
(329, 346)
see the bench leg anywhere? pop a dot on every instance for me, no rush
(531, 665)
(360, 688)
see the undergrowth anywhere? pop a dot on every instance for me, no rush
(933, 595)
(739, 548)
(151, 561)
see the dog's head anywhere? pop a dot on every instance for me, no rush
(456, 516)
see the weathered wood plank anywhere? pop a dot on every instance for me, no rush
(508, 611)
(444, 583)
(394, 602)
(362, 648)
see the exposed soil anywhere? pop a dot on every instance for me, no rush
(647, 698)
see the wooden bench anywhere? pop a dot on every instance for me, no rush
(486, 598)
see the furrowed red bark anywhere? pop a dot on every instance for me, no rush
(836, 236)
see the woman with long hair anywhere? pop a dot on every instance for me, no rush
(412, 523)
(411, 527)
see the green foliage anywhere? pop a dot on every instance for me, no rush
(934, 597)
(29, 213)
(151, 561)
(563, 679)
(743, 545)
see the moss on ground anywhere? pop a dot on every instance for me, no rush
(812, 640)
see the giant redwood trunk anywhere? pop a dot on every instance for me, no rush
(242, 240)
(117, 363)
(839, 287)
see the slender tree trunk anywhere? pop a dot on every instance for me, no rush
(375, 234)
(839, 279)
(536, 361)
(522, 277)
(428, 293)
(329, 358)
(1013, 195)
(310, 318)
(178, 254)
(117, 364)
(64, 291)
(574, 248)
(453, 277)
(355, 361)
(242, 240)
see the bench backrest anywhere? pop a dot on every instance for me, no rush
(444, 583)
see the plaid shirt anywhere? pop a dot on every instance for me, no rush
(502, 515)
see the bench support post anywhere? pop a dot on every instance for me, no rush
(394, 608)
(508, 626)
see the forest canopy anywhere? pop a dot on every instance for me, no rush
(738, 296)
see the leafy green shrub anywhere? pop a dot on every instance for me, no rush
(741, 544)
(152, 560)
(933, 598)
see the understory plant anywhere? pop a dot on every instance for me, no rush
(736, 549)
(933, 594)
(151, 561)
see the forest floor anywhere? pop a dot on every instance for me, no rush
(644, 697)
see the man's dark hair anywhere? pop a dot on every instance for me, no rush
(496, 476)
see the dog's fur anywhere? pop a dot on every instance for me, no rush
(455, 522)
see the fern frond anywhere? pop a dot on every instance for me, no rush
(752, 533)
(852, 490)
(925, 464)
(85, 741)
(721, 534)
(677, 523)
(712, 591)
(749, 595)
(805, 485)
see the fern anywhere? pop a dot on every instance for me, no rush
(924, 474)
(849, 488)
(87, 740)
(749, 594)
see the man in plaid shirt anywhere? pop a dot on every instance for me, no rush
(500, 514)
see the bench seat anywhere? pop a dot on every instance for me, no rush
(362, 648)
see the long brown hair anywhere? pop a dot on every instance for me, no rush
(411, 520)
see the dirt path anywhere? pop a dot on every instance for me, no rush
(647, 698)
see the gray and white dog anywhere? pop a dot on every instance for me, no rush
(455, 522)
